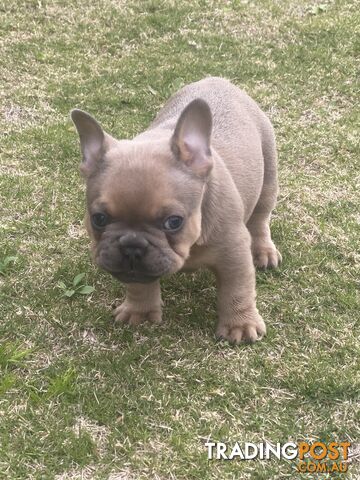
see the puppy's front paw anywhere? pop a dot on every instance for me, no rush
(242, 328)
(130, 315)
(266, 256)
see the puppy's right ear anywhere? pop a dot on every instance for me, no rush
(92, 139)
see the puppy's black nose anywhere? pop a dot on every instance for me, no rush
(133, 247)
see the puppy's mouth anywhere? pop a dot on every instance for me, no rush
(131, 266)
(133, 276)
(130, 275)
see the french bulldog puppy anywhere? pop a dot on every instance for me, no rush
(196, 189)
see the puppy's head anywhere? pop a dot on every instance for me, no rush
(144, 196)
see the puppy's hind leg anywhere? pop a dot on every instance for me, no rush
(265, 254)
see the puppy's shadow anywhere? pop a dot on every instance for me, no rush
(189, 310)
(190, 302)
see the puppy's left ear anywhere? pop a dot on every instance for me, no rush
(92, 140)
(190, 142)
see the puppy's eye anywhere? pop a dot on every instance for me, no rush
(99, 220)
(173, 223)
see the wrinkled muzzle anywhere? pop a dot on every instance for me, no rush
(131, 257)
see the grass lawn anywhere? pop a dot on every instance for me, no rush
(81, 398)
